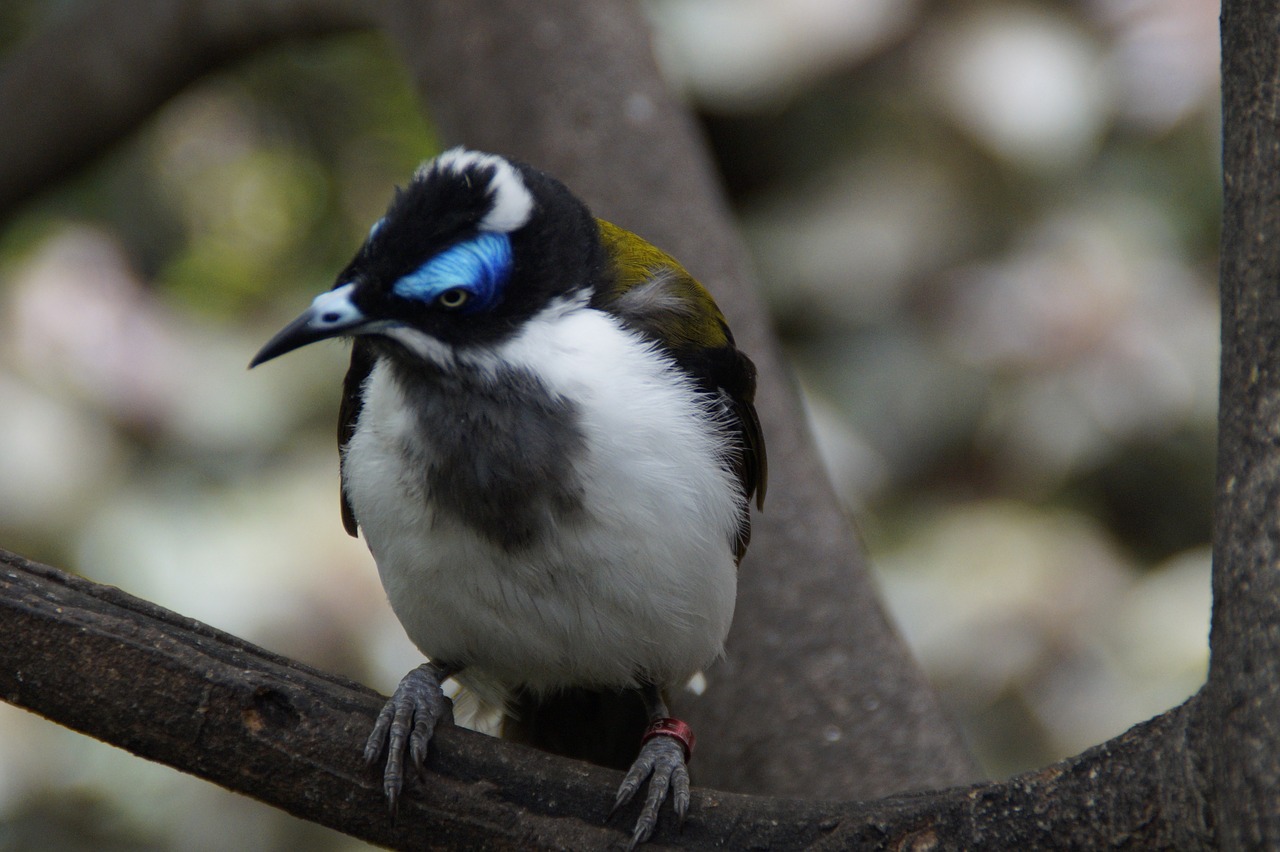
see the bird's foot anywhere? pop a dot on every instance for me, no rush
(407, 722)
(663, 760)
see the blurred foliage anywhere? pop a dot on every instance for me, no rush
(988, 235)
(256, 185)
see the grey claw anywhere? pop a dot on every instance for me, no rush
(378, 736)
(636, 776)
(661, 761)
(406, 724)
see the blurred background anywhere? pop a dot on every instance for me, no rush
(988, 233)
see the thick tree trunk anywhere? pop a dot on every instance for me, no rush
(1238, 732)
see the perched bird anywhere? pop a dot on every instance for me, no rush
(548, 439)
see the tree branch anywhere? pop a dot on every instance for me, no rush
(84, 82)
(176, 691)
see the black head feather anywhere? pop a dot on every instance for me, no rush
(554, 252)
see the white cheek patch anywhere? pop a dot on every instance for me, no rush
(512, 201)
(423, 345)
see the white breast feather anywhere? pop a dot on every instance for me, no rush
(641, 586)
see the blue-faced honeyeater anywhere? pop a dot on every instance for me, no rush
(548, 439)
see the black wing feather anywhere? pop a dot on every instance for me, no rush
(754, 463)
(728, 373)
(362, 359)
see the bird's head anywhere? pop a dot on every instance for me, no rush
(472, 248)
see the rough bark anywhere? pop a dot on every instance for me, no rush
(1238, 733)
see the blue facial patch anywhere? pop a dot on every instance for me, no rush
(481, 266)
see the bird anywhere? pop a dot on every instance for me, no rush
(548, 439)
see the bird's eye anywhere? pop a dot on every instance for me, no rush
(453, 298)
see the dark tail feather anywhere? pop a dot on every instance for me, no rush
(600, 726)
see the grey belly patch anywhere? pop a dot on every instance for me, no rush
(497, 452)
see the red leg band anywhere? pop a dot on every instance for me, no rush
(674, 728)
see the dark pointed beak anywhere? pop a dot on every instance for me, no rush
(332, 314)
